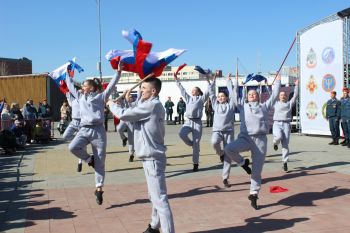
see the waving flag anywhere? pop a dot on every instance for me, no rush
(63, 87)
(257, 78)
(60, 73)
(180, 68)
(141, 60)
(202, 71)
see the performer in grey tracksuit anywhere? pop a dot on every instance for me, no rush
(74, 125)
(121, 128)
(148, 119)
(281, 123)
(223, 131)
(128, 126)
(194, 112)
(254, 127)
(92, 131)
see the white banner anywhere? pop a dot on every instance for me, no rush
(321, 71)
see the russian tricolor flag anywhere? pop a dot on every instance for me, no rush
(60, 73)
(141, 60)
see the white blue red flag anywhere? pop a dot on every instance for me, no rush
(141, 60)
(60, 73)
(256, 77)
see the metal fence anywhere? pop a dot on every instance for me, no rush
(45, 123)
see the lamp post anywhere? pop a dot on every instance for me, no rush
(99, 67)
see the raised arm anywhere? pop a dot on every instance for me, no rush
(70, 98)
(244, 93)
(138, 113)
(296, 93)
(71, 87)
(111, 85)
(232, 91)
(182, 90)
(275, 92)
(212, 95)
(206, 93)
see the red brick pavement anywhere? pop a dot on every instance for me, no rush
(317, 201)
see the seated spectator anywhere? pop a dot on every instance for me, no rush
(8, 141)
(17, 130)
(45, 110)
(15, 112)
(6, 120)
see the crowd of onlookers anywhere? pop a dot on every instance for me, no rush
(21, 126)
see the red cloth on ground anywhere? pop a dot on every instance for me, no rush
(277, 189)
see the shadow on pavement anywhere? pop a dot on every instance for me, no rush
(258, 225)
(308, 198)
(190, 193)
(18, 201)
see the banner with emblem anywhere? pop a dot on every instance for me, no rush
(321, 71)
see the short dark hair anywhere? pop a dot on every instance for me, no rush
(224, 92)
(155, 82)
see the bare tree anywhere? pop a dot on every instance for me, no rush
(4, 69)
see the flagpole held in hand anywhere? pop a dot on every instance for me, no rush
(285, 58)
(133, 87)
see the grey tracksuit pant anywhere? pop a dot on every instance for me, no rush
(216, 139)
(257, 144)
(96, 135)
(162, 216)
(126, 126)
(281, 133)
(71, 130)
(193, 126)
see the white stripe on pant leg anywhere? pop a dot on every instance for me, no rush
(258, 158)
(197, 135)
(99, 145)
(131, 139)
(155, 221)
(155, 177)
(121, 128)
(277, 132)
(216, 139)
(285, 142)
(227, 160)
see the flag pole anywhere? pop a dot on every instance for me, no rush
(285, 58)
(135, 86)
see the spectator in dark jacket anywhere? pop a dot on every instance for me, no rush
(17, 130)
(209, 113)
(169, 109)
(181, 109)
(45, 110)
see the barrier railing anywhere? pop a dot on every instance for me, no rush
(45, 123)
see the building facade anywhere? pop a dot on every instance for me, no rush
(10, 66)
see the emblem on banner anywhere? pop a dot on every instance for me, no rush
(311, 60)
(324, 110)
(311, 110)
(328, 82)
(311, 86)
(328, 55)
